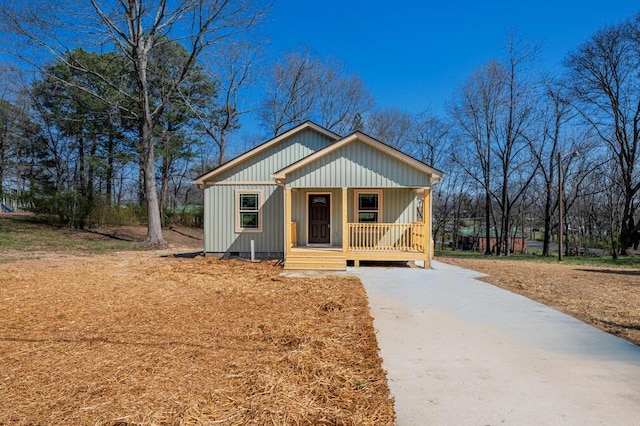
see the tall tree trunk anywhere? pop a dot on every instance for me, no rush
(3, 159)
(487, 222)
(90, 177)
(565, 239)
(109, 175)
(164, 185)
(487, 196)
(495, 234)
(548, 213)
(154, 221)
(120, 189)
(165, 170)
(82, 213)
(507, 230)
(222, 147)
(141, 187)
(1, 176)
(81, 170)
(627, 228)
(504, 220)
(546, 239)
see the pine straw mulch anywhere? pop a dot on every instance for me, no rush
(132, 338)
(607, 298)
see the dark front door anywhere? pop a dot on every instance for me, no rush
(319, 219)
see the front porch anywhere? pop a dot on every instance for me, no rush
(307, 247)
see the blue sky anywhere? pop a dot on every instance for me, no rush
(413, 54)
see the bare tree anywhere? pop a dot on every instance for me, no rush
(474, 111)
(495, 111)
(451, 204)
(221, 116)
(560, 135)
(305, 86)
(432, 139)
(134, 28)
(340, 96)
(392, 126)
(289, 99)
(515, 134)
(555, 114)
(613, 205)
(605, 87)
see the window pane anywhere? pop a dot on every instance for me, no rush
(367, 201)
(364, 217)
(318, 200)
(248, 201)
(249, 220)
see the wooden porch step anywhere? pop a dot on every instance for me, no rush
(330, 261)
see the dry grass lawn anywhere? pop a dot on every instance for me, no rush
(128, 338)
(608, 298)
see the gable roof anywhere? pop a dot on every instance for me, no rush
(359, 136)
(200, 180)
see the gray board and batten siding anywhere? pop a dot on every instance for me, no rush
(221, 237)
(254, 173)
(358, 165)
(260, 168)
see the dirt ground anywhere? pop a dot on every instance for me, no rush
(608, 298)
(132, 337)
(27, 236)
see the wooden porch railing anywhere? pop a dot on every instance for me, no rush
(386, 236)
(417, 236)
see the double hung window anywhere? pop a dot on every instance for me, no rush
(248, 211)
(369, 206)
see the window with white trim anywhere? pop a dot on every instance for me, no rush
(248, 211)
(368, 206)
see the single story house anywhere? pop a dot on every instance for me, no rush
(319, 200)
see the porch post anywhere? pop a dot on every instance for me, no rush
(426, 218)
(345, 227)
(287, 219)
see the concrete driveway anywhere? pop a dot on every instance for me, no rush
(462, 352)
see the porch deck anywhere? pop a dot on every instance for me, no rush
(365, 241)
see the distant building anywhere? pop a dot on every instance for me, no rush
(473, 238)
